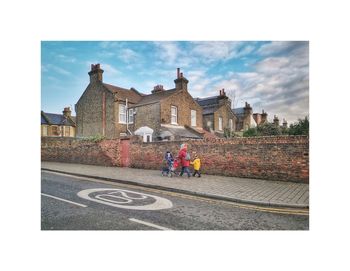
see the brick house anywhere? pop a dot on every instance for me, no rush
(114, 112)
(57, 124)
(260, 118)
(245, 118)
(217, 114)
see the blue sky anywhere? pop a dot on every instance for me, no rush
(273, 76)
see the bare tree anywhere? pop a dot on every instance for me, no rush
(231, 93)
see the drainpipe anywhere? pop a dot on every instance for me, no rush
(127, 117)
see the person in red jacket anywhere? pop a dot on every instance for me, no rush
(185, 160)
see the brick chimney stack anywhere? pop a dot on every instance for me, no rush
(276, 121)
(285, 123)
(158, 88)
(95, 73)
(263, 116)
(180, 82)
(67, 112)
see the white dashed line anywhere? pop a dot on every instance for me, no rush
(81, 205)
(150, 224)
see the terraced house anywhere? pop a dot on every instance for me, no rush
(57, 124)
(217, 114)
(114, 112)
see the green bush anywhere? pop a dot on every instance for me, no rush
(268, 129)
(300, 128)
(250, 132)
(95, 138)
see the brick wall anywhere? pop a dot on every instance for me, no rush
(72, 150)
(283, 158)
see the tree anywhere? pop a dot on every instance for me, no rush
(300, 128)
(268, 129)
(250, 132)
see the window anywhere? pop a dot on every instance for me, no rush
(193, 118)
(231, 124)
(122, 113)
(220, 123)
(54, 130)
(131, 115)
(173, 115)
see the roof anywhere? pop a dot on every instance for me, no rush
(132, 94)
(56, 119)
(210, 109)
(156, 97)
(238, 111)
(207, 101)
(181, 131)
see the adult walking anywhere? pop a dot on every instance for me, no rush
(185, 160)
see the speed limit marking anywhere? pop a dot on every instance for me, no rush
(125, 199)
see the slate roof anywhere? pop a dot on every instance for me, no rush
(207, 101)
(132, 95)
(238, 111)
(181, 131)
(56, 119)
(156, 97)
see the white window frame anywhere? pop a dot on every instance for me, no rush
(220, 123)
(122, 115)
(193, 118)
(131, 115)
(173, 115)
(231, 124)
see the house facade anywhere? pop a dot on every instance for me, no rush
(217, 114)
(114, 112)
(57, 124)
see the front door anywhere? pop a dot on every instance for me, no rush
(124, 152)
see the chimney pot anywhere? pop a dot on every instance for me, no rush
(178, 72)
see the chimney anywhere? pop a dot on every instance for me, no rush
(67, 112)
(247, 109)
(95, 73)
(257, 118)
(276, 121)
(180, 82)
(158, 88)
(285, 123)
(263, 116)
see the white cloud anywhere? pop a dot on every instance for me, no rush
(220, 50)
(277, 47)
(127, 55)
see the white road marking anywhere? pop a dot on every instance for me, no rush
(72, 202)
(150, 224)
(108, 196)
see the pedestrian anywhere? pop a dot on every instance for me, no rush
(196, 166)
(185, 158)
(168, 157)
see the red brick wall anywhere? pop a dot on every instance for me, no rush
(283, 158)
(70, 150)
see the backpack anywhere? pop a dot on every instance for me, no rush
(188, 157)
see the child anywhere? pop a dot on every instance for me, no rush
(168, 157)
(196, 166)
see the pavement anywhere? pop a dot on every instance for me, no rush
(242, 190)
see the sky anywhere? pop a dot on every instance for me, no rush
(270, 75)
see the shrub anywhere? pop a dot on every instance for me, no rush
(300, 128)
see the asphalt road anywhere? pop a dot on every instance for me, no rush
(75, 203)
